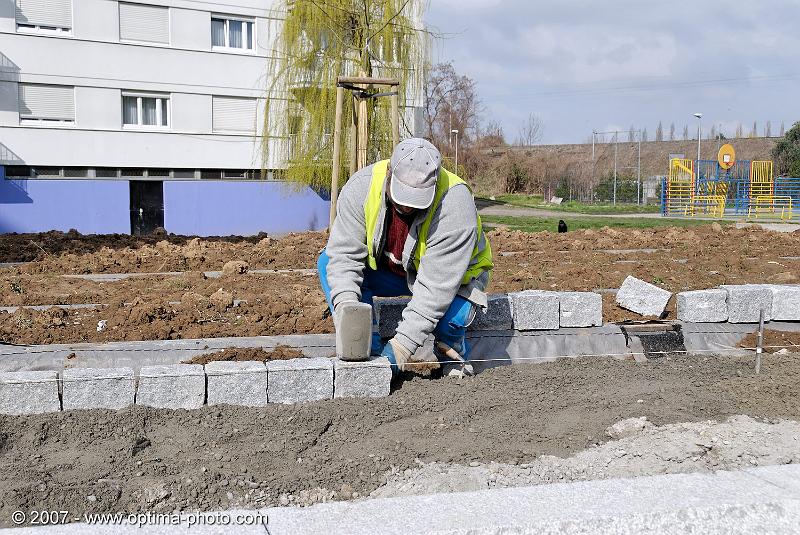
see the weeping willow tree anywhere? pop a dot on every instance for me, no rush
(319, 41)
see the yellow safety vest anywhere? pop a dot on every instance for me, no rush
(481, 260)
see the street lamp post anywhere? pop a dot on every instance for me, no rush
(699, 133)
(454, 131)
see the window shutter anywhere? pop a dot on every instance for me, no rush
(140, 22)
(233, 114)
(38, 101)
(57, 13)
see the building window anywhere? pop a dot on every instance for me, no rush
(234, 114)
(232, 32)
(149, 110)
(44, 16)
(42, 103)
(143, 23)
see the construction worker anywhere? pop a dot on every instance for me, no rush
(408, 226)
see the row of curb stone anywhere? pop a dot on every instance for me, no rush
(190, 386)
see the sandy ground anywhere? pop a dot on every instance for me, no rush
(512, 425)
(191, 306)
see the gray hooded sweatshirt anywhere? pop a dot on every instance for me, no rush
(452, 237)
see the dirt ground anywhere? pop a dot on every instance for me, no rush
(190, 305)
(143, 459)
(242, 354)
(774, 341)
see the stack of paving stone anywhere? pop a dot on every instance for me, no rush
(190, 386)
(522, 311)
(741, 303)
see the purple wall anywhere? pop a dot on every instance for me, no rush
(222, 207)
(89, 206)
(201, 208)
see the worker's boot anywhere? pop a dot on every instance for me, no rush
(453, 360)
(353, 322)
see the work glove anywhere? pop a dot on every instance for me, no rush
(397, 354)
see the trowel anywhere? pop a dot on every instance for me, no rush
(353, 322)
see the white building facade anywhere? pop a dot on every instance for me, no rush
(162, 89)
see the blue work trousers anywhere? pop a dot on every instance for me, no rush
(383, 283)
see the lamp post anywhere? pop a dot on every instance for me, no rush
(699, 132)
(454, 131)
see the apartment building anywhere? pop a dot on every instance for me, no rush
(122, 116)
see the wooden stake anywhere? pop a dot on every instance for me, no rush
(337, 137)
(354, 138)
(395, 121)
(760, 346)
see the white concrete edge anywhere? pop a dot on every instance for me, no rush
(757, 500)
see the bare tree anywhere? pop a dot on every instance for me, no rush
(783, 129)
(685, 132)
(754, 131)
(768, 129)
(660, 132)
(631, 134)
(451, 103)
(531, 131)
(712, 134)
(672, 132)
(490, 135)
(644, 134)
(739, 130)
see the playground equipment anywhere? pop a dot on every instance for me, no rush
(728, 187)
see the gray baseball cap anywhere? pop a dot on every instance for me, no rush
(414, 165)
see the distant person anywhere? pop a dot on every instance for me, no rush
(562, 227)
(407, 226)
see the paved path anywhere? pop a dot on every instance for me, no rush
(758, 500)
(509, 210)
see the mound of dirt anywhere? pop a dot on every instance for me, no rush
(241, 354)
(144, 459)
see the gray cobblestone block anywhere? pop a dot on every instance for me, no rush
(580, 309)
(237, 383)
(299, 380)
(175, 386)
(390, 312)
(746, 300)
(642, 297)
(98, 388)
(703, 306)
(535, 310)
(498, 316)
(368, 379)
(785, 302)
(29, 392)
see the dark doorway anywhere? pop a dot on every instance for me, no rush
(147, 206)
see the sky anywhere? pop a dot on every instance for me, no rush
(584, 65)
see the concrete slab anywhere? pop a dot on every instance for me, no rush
(299, 380)
(353, 331)
(535, 310)
(237, 383)
(744, 502)
(785, 302)
(149, 353)
(642, 297)
(703, 306)
(98, 388)
(79, 306)
(29, 392)
(580, 309)
(177, 386)
(390, 312)
(369, 379)
(746, 300)
(498, 315)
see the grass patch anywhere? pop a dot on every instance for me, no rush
(536, 201)
(538, 224)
